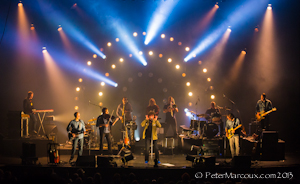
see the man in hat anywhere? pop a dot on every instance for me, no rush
(150, 134)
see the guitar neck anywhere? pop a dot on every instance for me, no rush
(237, 127)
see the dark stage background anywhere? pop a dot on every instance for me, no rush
(23, 67)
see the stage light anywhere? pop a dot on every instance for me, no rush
(162, 35)
(100, 93)
(76, 108)
(204, 70)
(216, 5)
(199, 62)
(100, 104)
(194, 55)
(190, 94)
(59, 28)
(229, 28)
(32, 27)
(150, 53)
(89, 63)
(183, 74)
(144, 33)
(171, 39)
(187, 49)
(106, 74)
(130, 55)
(113, 66)
(117, 39)
(170, 60)
(20, 4)
(186, 110)
(76, 98)
(44, 50)
(179, 43)
(256, 29)
(212, 97)
(78, 89)
(208, 79)
(160, 55)
(101, 49)
(102, 83)
(94, 55)
(135, 34)
(244, 52)
(109, 44)
(140, 53)
(80, 80)
(190, 104)
(188, 84)
(177, 67)
(121, 60)
(269, 6)
(211, 87)
(104, 57)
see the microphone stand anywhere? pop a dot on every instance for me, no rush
(232, 102)
(95, 105)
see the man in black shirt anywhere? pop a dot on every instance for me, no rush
(171, 109)
(213, 114)
(29, 109)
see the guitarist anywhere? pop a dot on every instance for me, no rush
(231, 123)
(104, 123)
(125, 110)
(76, 128)
(264, 105)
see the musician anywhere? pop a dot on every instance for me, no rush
(125, 109)
(76, 127)
(28, 109)
(149, 134)
(152, 107)
(104, 123)
(171, 109)
(233, 122)
(264, 105)
(214, 111)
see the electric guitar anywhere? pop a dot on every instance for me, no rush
(261, 115)
(230, 131)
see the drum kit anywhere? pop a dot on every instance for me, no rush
(204, 125)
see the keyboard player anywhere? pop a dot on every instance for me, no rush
(28, 108)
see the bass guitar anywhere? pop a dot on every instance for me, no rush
(230, 131)
(261, 115)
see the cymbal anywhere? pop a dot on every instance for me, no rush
(200, 115)
(92, 120)
(92, 124)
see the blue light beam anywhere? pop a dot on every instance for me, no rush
(75, 65)
(243, 13)
(72, 31)
(159, 18)
(128, 42)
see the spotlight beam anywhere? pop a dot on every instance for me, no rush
(73, 31)
(246, 11)
(72, 64)
(159, 18)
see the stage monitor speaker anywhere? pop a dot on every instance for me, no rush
(88, 161)
(28, 150)
(269, 145)
(241, 161)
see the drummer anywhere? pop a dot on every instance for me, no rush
(213, 114)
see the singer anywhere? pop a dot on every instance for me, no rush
(150, 135)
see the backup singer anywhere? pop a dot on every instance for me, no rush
(265, 105)
(28, 109)
(149, 134)
(76, 127)
(125, 109)
(152, 107)
(233, 122)
(171, 109)
(104, 123)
